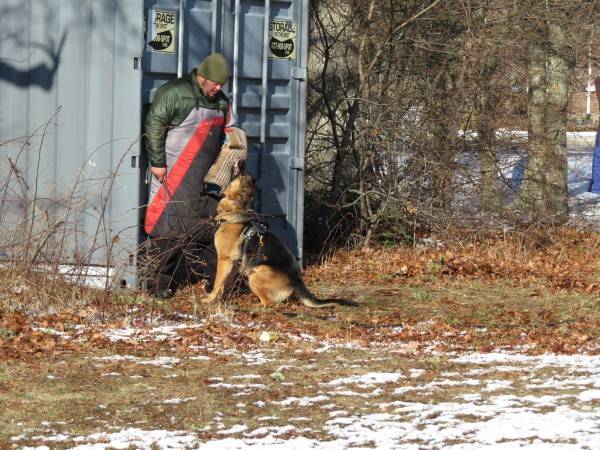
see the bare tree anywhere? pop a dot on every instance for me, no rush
(397, 90)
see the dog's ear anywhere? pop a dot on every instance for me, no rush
(239, 167)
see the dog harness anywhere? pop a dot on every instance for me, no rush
(253, 241)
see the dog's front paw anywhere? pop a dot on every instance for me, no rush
(210, 298)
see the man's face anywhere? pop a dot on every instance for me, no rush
(210, 88)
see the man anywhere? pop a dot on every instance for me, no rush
(184, 131)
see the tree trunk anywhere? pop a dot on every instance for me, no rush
(443, 170)
(558, 76)
(489, 186)
(339, 175)
(532, 192)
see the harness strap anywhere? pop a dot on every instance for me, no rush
(254, 228)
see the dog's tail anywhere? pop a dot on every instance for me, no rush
(309, 299)
(316, 303)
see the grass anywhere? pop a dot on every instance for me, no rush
(470, 298)
(81, 395)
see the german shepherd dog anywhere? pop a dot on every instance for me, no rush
(245, 247)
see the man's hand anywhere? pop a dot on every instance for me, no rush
(159, 173)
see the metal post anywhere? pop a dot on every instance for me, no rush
(265, 60)
(302, 59)
(236, 49)
(180, 39)
(213, 38)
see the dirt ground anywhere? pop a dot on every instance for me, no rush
(445, 346)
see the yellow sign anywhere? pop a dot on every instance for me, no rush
(164, 31)
(282, 39)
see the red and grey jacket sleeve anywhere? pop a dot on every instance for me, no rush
(158, 120)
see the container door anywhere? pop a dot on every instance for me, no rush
(267, 86)
(270, 57)
(70, 124)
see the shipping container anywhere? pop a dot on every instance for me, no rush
(76, 79)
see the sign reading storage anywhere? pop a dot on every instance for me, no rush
(163, 31)
(282, 39)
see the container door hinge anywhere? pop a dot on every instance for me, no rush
(299, 73)
(297, 163)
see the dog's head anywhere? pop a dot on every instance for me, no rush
(238, 194)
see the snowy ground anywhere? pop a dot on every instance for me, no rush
(479, 401)
(584, 206)
(389, 398)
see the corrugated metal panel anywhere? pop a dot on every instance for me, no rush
(70, 111)
(277, 163)
(71, 94)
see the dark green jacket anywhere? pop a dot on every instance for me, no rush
(171, 105)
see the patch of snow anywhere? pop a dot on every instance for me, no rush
(163, 361)
(589, 396)
(177, 401)
(265, 418)
(304, 401)
(497, 385)
(272, 431)
(136, 438)
(238, 386)
(234, 430)
(368, 379)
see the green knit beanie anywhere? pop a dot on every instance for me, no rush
(214, 68)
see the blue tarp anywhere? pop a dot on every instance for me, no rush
(595, 184)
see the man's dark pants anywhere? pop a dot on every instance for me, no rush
(173, 262)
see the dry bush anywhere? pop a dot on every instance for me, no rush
(55, 235)
(36, 292)
(411, 111)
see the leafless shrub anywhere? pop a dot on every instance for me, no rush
(56, 238)
(412, 108)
